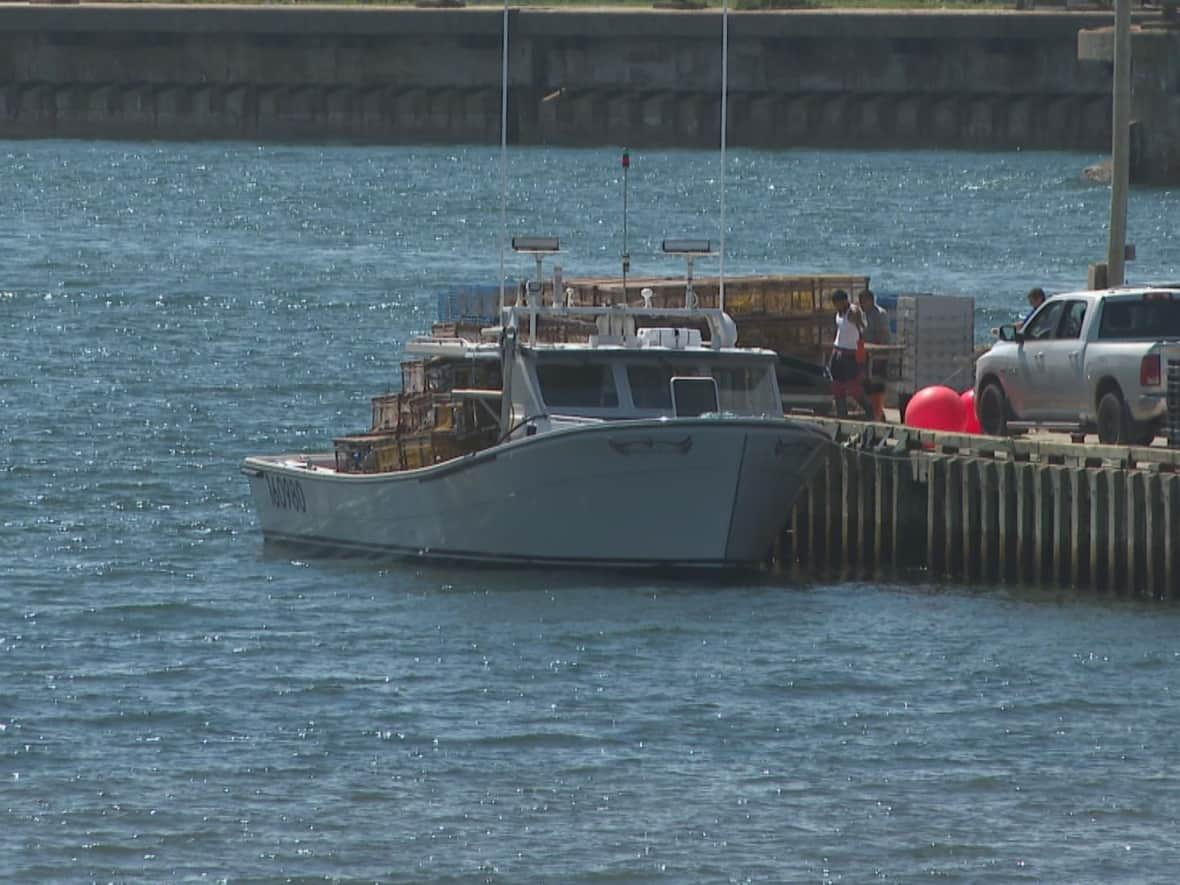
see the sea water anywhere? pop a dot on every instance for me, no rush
(177, 701)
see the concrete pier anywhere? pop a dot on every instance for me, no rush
(894, 500)
(1155, 95)
(993, 79)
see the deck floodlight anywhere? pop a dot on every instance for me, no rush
(546, 245)
(538, 247)
(688, 247)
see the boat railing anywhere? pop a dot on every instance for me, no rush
(617, 323)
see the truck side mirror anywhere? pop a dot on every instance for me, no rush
(1009, 332)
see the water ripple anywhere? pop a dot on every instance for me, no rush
(177, 702)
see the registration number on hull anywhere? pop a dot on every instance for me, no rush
(286, 493)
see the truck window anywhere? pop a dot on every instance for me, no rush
(1044, 324)
(1130, 319)
(1071, 322)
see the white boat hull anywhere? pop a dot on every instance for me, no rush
(680, 493)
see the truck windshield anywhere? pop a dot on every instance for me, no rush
(1142, 318)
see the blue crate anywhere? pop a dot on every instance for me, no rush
(471, 304)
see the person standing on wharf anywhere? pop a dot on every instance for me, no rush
(876, 366)
(844, 365)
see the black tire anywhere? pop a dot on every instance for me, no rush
(1143, 433)
(1114, 421)
(992, 408)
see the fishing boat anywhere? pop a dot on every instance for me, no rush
(598, 435)
(613, 434)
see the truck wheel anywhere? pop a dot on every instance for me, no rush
(993, 410)
(1114, 422)
(1143, 433)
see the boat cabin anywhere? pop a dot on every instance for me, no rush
(550, 366)
(552, 387)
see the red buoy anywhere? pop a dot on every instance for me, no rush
(971, 417)
(936, 408)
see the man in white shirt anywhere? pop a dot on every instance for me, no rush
(845, 367)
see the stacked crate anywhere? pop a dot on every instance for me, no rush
(790, 314)
(424, 423)
(477, 305)
(367, 453)
(937, 333)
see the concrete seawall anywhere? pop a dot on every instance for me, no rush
(977, 80)
(1155, 95)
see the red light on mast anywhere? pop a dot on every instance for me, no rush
(626, 160)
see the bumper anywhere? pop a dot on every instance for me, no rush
(1150, 406)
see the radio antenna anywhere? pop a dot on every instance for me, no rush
(626, 254)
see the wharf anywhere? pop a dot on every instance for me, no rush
(891, 499)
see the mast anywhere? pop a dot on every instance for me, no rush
(503, 150)
(724, 95)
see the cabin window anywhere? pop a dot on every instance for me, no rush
(746, 390)
(694, 397)
(650, 386)
(572, 385)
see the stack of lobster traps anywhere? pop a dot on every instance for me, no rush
(434, 418)
(789, 314)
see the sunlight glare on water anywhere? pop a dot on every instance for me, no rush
(177, 701)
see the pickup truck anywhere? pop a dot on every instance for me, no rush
(1084, 362)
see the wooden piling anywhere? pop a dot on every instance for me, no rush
(1007, 525)
(832, 506)
(989, 523)
(1079, 527)
(980, 509)
(935, 524)
(1170, 500)
(1135, 528)
(953, 516)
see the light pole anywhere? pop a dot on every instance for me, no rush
(1121, 145)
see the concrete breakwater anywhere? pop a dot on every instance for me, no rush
(989, 510)
(909, 79)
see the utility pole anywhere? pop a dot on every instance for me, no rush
(1121, 145)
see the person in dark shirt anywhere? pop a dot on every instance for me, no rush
(1036, 297)
(876, 331)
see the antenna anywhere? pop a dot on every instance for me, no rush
(503, 151)
(626, 254)
(724, 93)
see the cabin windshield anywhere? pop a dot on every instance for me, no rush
(577, 385)
(639, 384)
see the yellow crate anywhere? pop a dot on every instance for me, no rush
(413, 376)
(386, 411)
(415, 452)
(366, 453)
